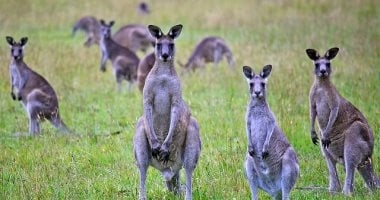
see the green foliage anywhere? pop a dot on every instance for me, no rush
(101, 166)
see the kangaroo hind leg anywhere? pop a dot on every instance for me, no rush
(191, 154)
(290, 172)
(142, 156)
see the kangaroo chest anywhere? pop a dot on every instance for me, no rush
(162, 105)
(103, 47)
(258, 133)
(16, 77)
(322, 107)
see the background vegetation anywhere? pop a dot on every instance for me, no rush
(99, 166)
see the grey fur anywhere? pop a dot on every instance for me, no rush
(143, 70)
(210, 49)
(91, 27)
(166, 137)
(346, 136)
(143, 8)
(36, 94)
(124, 61)
(271, 163)
(136, 37)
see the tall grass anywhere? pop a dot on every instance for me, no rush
(98, 166)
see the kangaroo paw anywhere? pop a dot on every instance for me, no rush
(325, 142)
(155, 150)
(265, 154)
(13, 96)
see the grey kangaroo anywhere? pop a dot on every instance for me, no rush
(346, 135)
(271, 163)
(166, 137)
(35, 93)
(143, 8)
(136, 37)
(143, 69)
(91, 27)
(124, 61)
(133, 36)
(210, 49)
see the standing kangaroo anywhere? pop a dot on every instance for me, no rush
(210, 49)
(91, 27)
(346, 135)
(124, 61)
(143, 69)
(166, 137)
(36, 94)
(271, 163)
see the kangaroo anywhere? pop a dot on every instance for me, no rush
(91, 27)
(135, 37)
(346, 136)
(143, 69)
(210, 49)
(143, 8)
(167, 136)
(38, 97)
(124, 61)
(271, 163)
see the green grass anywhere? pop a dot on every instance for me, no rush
(273, 32)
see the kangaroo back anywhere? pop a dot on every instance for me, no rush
(91, 27)
(134, 36)
(210, 49)
(143, 69)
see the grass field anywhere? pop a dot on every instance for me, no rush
(97, 166)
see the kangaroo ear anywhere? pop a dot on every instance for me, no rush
(24, 40)
(102, 22)
(175, 31)
(331, 53)
(248, 72)
(112, 23)
(313, 54)
(266, 71)
(10, 40)
(155, 31)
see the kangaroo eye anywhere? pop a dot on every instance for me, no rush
(251, 85)
(328, 65)
(317, 65)
(262, 84)
(159, 45)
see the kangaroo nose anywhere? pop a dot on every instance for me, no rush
(257, 93)
(165, 56)
(323, 72)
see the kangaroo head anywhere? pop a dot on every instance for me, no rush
(322, 66)
(257, 82)
(105, 28)
(164, 46)
(17, 48)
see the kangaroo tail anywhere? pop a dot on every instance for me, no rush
(366, 170)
